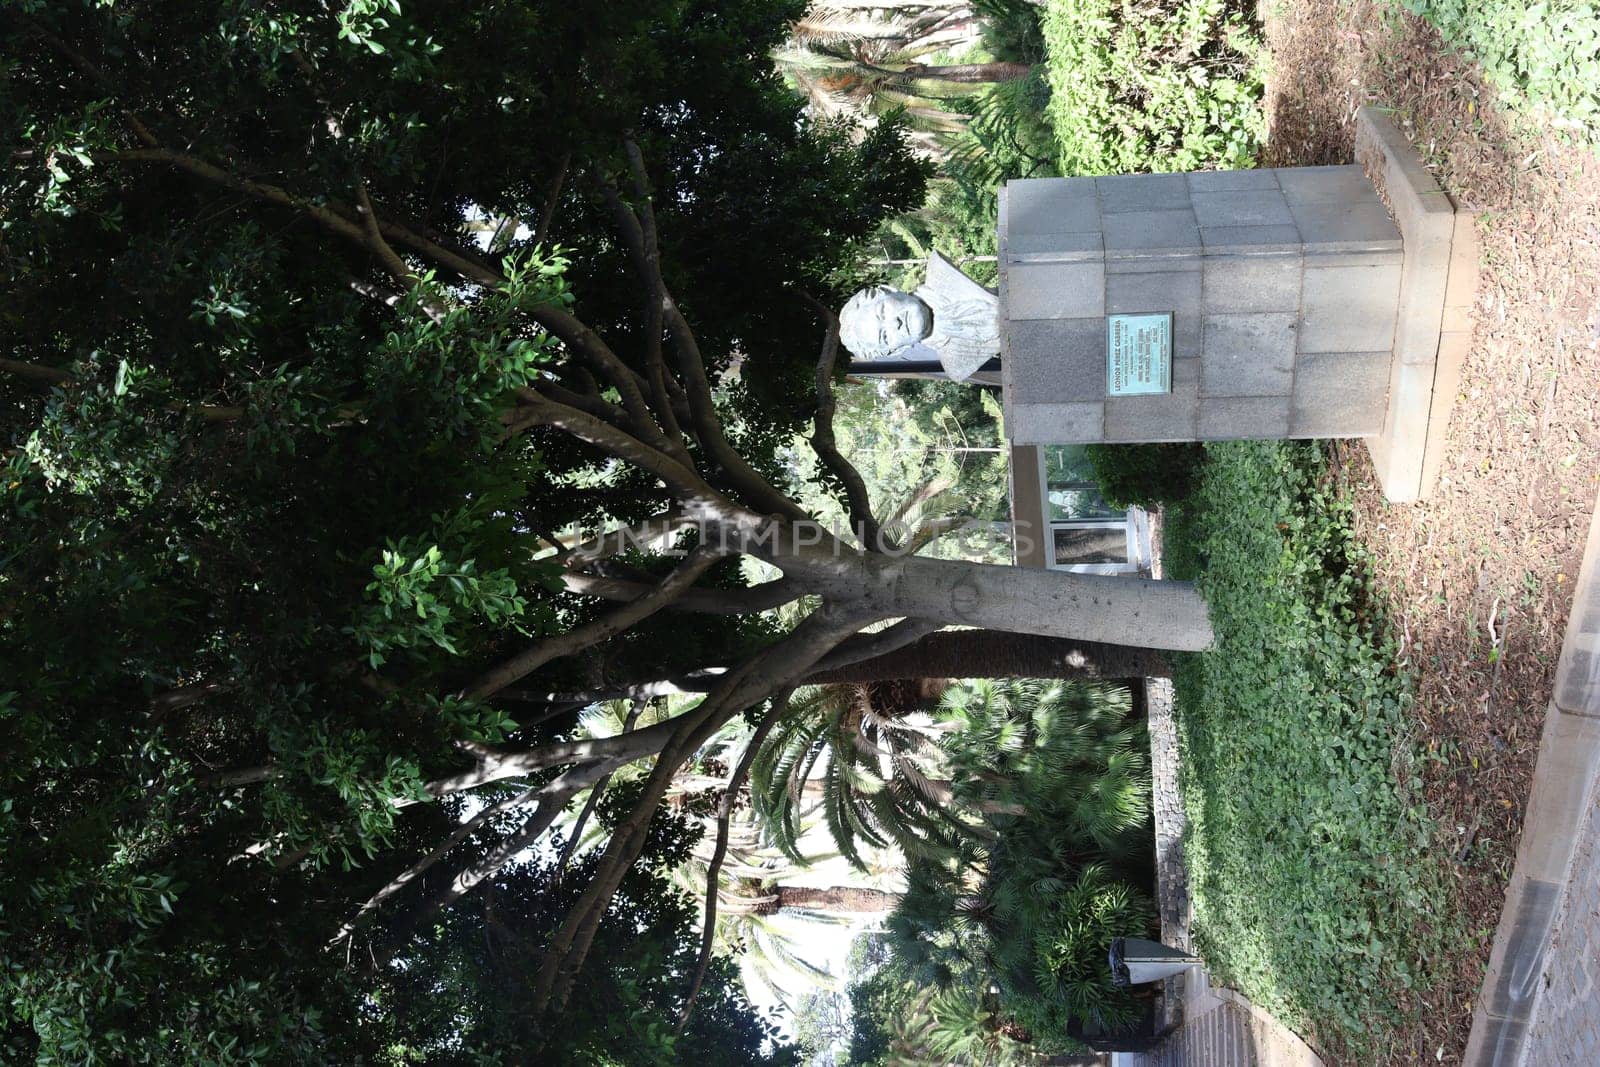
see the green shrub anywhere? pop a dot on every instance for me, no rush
(1032, 901)
(1006, 136)
(1051, 950)
(1172, 86)
(1542, 57)
(1315, 885)
(1010, 30)
(1145, 476)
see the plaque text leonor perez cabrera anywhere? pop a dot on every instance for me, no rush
(1138, 354)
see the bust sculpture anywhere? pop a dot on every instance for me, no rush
(950, 318)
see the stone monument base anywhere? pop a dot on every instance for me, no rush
(1290, 302)
(1433, 328)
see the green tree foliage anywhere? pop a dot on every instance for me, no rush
(462, 996)
(259, 527)
(1038, 889)
(1170, 86)
(822, 1027)
(855, 743)
(1023, 810)
(892, 59)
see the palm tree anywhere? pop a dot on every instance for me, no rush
(911, 27)
(867, 79)
(990, 753)
(1033, 907)
(867, 60)
(870, 788)
(950, 1026)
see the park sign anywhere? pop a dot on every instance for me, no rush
(1291, 302)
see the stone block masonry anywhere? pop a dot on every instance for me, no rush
(1433, 330)
(1305, 302)
(1283, 286)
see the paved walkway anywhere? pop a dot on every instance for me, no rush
(1540, 1002)
(1220, 1036)
(1566, 1029)
(1222, 1029)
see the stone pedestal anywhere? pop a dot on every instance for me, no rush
(1299, 308)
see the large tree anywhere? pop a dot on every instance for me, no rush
(298, 401)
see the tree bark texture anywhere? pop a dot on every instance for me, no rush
(994, 654)
(1108, 609)
(970, 73)
(835, 900)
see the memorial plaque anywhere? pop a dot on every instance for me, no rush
(1139, 354)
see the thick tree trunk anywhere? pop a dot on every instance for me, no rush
(835, 900)
(947, 654)
(1105, 609)
(969, 73)
(992, 654)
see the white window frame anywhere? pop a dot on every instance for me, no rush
(1052, 525)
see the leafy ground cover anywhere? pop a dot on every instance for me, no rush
(1542, 58)
(1174, 87)
(1309, 852)
(1479, 577)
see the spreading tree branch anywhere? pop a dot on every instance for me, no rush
(496, 766)
(611, 542)
(389, 258)
(35, 372)
(686, 484)
(756, 598)
(823, 441)
(417, 869)
(756, 490)
(94, 73)
(593, 802)
(692, 682)
(529, 660)
(548, 215)
(54, 377)
(870, 646)
(552, 799)
(324, 216)
(775, 668)
(374, 234)
(639, 235)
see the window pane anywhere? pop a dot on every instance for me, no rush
(1067, 464)
(1095, 544)
(1070, 489)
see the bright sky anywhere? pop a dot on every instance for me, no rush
(823, 944)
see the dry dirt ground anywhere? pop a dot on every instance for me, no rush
(1478, 579)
